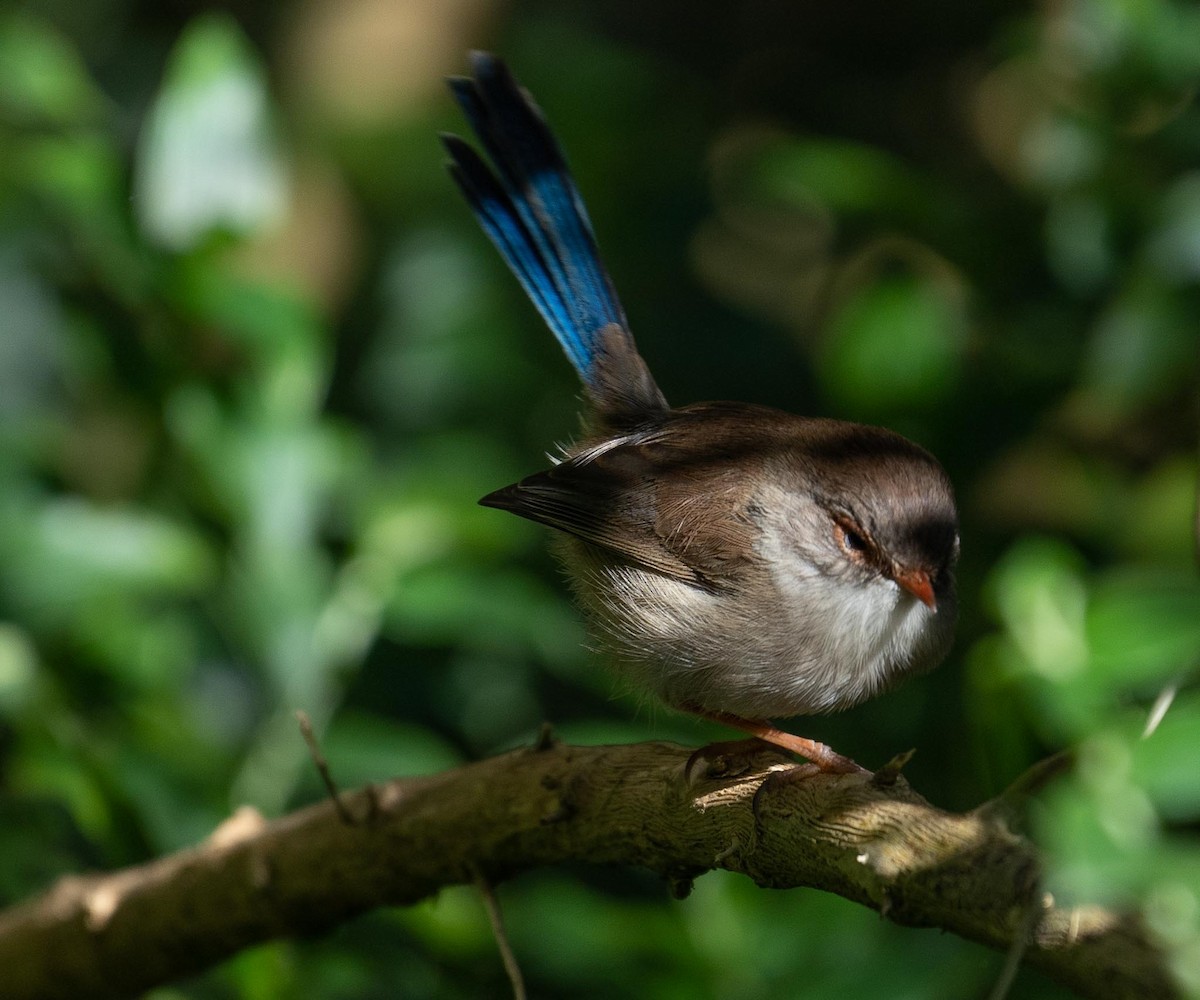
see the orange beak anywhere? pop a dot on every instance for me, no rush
(917, 583)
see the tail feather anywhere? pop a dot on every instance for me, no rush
(503, 225)
(533, 213)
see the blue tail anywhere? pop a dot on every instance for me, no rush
(533, 213)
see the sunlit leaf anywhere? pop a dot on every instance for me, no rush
(208, 160)
(71, 550)
(1042, 599)
(18, 667)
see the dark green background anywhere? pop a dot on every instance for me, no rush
(257, 364)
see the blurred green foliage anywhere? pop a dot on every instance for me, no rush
(257, 365)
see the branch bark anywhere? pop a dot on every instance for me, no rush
(879, 844)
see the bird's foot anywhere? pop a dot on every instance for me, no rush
(823, 758)
(726, 759)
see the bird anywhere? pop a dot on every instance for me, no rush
(737, 561)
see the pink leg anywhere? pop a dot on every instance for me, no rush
(824, 757)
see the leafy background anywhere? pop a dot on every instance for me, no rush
(257, 365)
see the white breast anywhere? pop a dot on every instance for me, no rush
(788, 639)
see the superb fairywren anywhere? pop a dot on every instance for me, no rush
(740, 562)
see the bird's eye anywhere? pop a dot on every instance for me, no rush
(850, 538)
(853, 540)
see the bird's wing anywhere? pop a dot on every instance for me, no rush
(649, 501)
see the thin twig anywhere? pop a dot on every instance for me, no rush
(322, 766)
(1010, 805)
(886, 776)
(492, 905)
(1161, 704)
(1016, 951)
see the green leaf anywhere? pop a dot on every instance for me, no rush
(1164, 763)
(42, 78)
(1143, 628)
(896, 343)
(68, 550)
(845, 176)
(363, 748)
(80, 172)
(208, 160)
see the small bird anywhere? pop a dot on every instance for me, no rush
(739, 562)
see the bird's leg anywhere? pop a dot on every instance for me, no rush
(824, 757)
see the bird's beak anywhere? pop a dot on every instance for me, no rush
(917, 583)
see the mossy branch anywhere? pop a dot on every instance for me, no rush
(872, 841)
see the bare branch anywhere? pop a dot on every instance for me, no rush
(648, 804)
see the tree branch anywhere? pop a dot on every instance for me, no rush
(649, 804)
